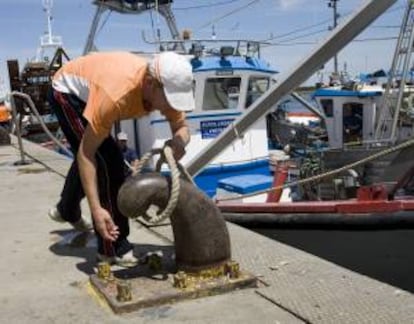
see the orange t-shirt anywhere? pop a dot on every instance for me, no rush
(110, 83)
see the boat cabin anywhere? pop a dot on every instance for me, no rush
(225, 86)
(349, 114)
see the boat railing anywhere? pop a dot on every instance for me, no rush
(206, 46)
(369, 144)
(51, 41)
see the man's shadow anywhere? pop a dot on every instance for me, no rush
(84, 245)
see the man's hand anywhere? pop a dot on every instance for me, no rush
(177, 146)
(105, 225)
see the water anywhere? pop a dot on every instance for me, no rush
(384, 255)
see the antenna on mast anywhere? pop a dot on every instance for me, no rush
(47, 7)
(48, 40)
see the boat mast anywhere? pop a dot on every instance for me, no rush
(48, 40)
(333, 4)
(389, 112)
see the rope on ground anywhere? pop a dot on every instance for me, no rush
(326, 174)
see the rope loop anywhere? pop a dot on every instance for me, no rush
(166, 156)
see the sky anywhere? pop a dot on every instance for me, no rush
(292, 27)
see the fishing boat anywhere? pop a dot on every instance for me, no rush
(229, 154)
(34, 80)
(229, 78)
(363, 174)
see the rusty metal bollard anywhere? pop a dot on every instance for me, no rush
(200, 233)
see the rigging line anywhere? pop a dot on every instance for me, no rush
(227, 14)
(328, 20)
(385, 26)
(302, 36)
(154, 35)
(289, 44)
(207, 5)
(376, 39)
(307, 27)
(158, 21)
(315, 42)
(321, 23)
(298, 30)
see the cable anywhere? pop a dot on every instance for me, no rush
(207, 5)
(227, 14)
(376, 39)
(321, 23)
(298, 30)
(304, 35)
(314, 42)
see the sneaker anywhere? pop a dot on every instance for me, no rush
(128, 260)
(55, 215)
(81, 225)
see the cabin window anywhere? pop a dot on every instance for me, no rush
(221, 93)
(327, 106)
(257, 86)
(352, 122)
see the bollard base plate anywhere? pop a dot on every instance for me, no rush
(154, 288)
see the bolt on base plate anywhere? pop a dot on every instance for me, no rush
(148, 287)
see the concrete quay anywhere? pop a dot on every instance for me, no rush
(44, 275)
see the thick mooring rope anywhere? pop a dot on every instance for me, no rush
(326, 174)
(151, 215)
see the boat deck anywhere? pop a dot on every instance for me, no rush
(45, 274)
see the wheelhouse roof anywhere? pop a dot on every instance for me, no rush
(217, 63)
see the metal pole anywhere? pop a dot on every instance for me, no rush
(18, 133)
(90, 43)
(386, 104)
(308, 105)
(166, 12)
(336, 41)
(333, 4)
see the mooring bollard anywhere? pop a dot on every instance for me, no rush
(202, 247)
(200, 233)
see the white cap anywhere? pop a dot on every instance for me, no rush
(175, 73)
(122, 136)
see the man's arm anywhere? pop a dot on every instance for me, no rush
(87, 170)
(181, 137)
